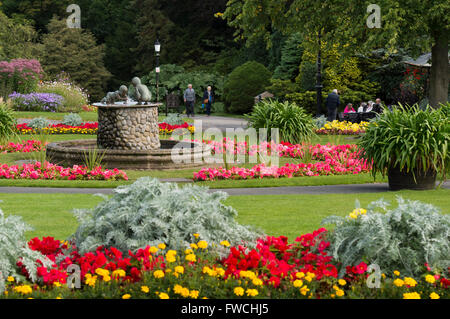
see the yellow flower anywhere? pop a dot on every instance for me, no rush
(304, 290)
(145, 289)
(177, 289)
(398, 282)
(153, 250)
(434, 295)
(184, 292)
(106, 278)
(396, 272)
(342, 282)
(257, 282)
(102, 272)
(163, 295)
(196, 235)
(10, 279)
(170, 258)
(411, 295)
(298, 283)
(225, 243)
(126, 296)
(410, 281)
(57, 284)
(179, 269)
(220, 271)
(158, 274)
(202, 244)
(194, 294)
(90, 280)
(162, 246)
(430, 279)
(188, 251)
(300, 275)
(24, 289)
(239, 291)
(191, 258)
(340, 292)
(251, 292)
(194, 246)
(118, 273)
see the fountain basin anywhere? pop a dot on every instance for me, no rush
(170, 155)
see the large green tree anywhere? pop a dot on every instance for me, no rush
(416, 25)
(75, 52)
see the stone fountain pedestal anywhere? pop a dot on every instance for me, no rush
(128, 127)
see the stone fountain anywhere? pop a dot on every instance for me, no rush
(128, 137)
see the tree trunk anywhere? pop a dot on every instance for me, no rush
(439, 77)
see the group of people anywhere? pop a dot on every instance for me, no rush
(333, 103)
(190, 98)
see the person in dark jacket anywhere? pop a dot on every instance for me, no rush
(332, 105)
(208, 100)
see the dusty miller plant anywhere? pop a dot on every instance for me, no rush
(38, 123)
(149, 212)
(403, 238)
(14, 248)
(72, 119)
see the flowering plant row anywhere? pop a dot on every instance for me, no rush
(24, 147)
(342, 128)
(328, 160)
(85, 128)
(48, 171)
(46, 102)
(167, 129)
(273, 269)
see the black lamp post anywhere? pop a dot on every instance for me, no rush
(319, 85)
(157, 52)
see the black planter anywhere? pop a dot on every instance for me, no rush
(400, 179)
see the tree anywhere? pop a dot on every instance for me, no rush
(291, 57)
(75, 52)
(412, 24)
(243, 84)
(17, 40)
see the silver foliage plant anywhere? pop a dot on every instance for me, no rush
(72, 119)
(14, 248)
(403, 238)
(149, 212)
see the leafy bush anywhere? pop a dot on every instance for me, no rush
(38, 123)
(74, 96)
(37, 102)
(19, 75)
(243, 84)
(12, 230)
(320, 121)
(294, 124)
(173, 119)
(402, 239)
(7, 121)
(149, 212)
(408, 138)
(72, 119)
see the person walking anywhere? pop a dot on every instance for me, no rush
(208, 99)
(332, 105)
(189, 100)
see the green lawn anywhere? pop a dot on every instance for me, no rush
(289, 215)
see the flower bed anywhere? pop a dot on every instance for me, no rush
(166, 129)
(24, 147)
(46, 102)
(274, 269)
(48, 171)
(324, 160)
(85, 128)
(342, 128)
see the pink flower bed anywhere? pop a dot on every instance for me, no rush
(325, 160)
(50, 171)
(24, 147)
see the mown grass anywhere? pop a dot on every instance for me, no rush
(288, 215)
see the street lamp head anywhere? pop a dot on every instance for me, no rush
(157, 46)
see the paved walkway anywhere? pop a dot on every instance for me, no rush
(308, 190)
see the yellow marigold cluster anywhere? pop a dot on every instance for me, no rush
(170, 256)
(239, 291)
(345, 126)
(23, 289)
(357, 212)
(104, 273)
(90, 280)
(411, 295)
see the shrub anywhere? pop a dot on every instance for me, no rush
(74, 96)
(243, 84)
(7, 121)
(72, 119)
(12, 230)
(294, 124)
(36, 102)
(173, 119)
(19, 75)
(38, 123)
(149, 212)
(402, 239)
(408, 138)
(320, 121)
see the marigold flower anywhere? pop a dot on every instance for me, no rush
(153, 250)
(194, 294)
(304, 290)
(202, 244)
(179, 269)
(191, 258)
(90, 280)
(145, 289)
(10, 279)
(194, 246)
(411, 295)
(298, 283)
(300, 275)
(342, 282)
(340, 292)
(410, 281)
(396, 272)
(126, 296)
(398, 282)
(434, 295)
(118, 273)
(430, 279)
(251, 292)
(196, 235)
(188, 251)
(23, 289)
(158, 274)
(257, 282)
(163, 295)
(239, 291)
(225, 243)
(162, 246)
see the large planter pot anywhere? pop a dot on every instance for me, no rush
(401, 179)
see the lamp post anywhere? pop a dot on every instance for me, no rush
(319, 85)
(157, 52)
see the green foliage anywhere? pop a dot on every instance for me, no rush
(149, 212)
(243, 84)
(12, 237)
(294, 124)
(320, 121)
(173, 119)
(291, 57)
(72, 119)
(281, 88)
(93, 158)
(403, 238)
(307, 76)
(38, 123)
(75, 52)
(7, 121)
(408, 138)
